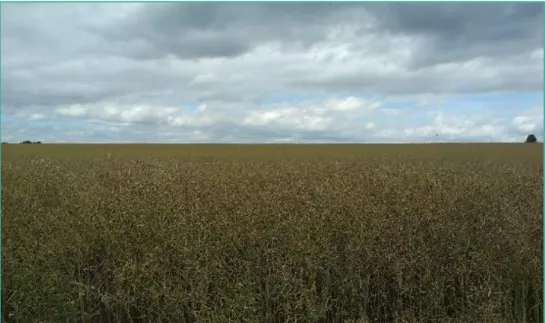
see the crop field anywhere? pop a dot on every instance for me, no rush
(272, 233)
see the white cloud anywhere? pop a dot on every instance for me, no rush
(391, 112)
(529, 122)
(351, 104)
(330, 114)
(37, 116)
(138, 113)
(456, 126)
(75, 110)
(525, 124)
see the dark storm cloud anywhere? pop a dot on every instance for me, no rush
(455, 31)
(485, 21)
(458, 31)
(200, 30)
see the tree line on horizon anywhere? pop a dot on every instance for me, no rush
(26, 142)
(530, 139)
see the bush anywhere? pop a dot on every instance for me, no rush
(531, 138)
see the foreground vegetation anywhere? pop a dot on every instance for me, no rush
(429, 233)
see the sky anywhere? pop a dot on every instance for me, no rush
(277, 72)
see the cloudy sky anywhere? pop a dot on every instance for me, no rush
(271, 72)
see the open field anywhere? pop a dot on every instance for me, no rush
(272, 233)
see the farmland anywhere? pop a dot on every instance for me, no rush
(272, 233)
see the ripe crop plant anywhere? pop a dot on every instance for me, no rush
(272, 233)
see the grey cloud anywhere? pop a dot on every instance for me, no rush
(458, 31)
(455, 31)
(519, 77)
(201, 30)
(80, 81)
(479, 21)
(151, 32)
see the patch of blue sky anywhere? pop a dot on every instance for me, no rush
(287, 97)
(499, 99)
(38, 123)
(494, 105)
(176, 102)
(395, 122)
(187, 105)
(69, 123)
(297, 97)
(6, 118)
(400, 105)
(490, 105)
(502, 97)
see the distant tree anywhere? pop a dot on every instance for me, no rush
(31, 142)
(531, 138)
(4, 143)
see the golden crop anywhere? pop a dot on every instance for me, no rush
(279, 233)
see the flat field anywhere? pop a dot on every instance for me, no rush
(272, 233)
